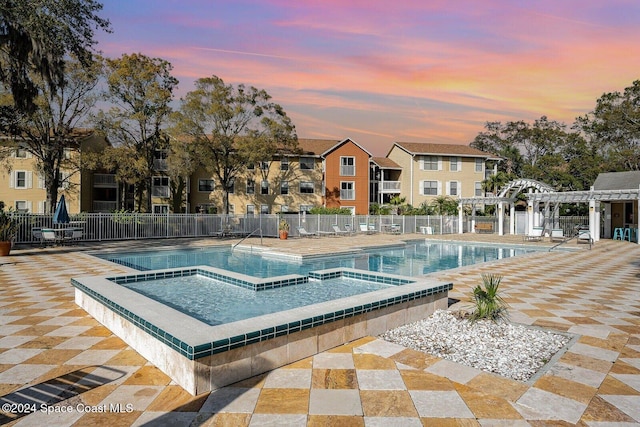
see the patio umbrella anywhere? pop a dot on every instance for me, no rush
(61, 216)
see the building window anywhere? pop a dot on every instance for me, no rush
(264, 209)
(347, 190)
(430, 188)
(284, 187)
(454, 164)
(264, 187)
(232, 208)
(306, 163)
(251, 166)
(284, 164)
(160, 209)
(430, 163)
(22, 206)
(305, 208)
(160, 187)
(454, 188)
(21, 153)
(479, 165)
(347, 166)
(160, 160)
(251, 186)
(232, 186)
(478, 186)
(284, 208)
(251, 209)
(264, 166)
(206, 185)
(306, 187)
(20, 179)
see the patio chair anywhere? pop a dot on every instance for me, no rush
(535, 236)
(557, 235)
(305, 233)
(368, 228)
(338, 231)
(73, 235)
(49, 236)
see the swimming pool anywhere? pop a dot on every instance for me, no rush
(203, 353)
(415, 258)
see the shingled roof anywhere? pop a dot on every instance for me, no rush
(629, 180)
(385, 163)
(447, 149)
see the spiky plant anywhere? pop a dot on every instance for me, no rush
(488, 304)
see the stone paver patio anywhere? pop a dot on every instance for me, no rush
(58, 360)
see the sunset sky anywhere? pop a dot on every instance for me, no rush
(383, 71)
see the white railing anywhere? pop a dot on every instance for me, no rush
(391, 186)
(104, 180)
(104, 206)
(135, 226)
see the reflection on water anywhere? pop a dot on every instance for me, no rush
(414, 259)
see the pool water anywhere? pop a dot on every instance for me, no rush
(215, 302)
(413, 259)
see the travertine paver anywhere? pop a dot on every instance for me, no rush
(53, 355)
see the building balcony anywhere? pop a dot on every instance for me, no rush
(104, 180)
(104, 206)
(390, 187)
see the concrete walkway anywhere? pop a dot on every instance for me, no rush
(60, 367)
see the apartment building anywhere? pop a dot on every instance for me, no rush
(22, 187)
(330, 173)
(428, 171)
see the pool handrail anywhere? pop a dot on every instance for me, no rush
(246, 237)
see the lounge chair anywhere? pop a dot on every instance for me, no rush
(557, 235)
(535, 236)
(584, 236)
(338, 231)
(368, 228)
(305, 233)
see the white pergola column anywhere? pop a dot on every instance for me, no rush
(638, 229)
(460, 219)
(500, 219)
(512, 214)
(592, 219)
(529, 217)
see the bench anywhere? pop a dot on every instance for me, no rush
(484, 227)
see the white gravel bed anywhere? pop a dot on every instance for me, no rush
(513, 351)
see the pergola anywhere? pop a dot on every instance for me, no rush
(540, 193)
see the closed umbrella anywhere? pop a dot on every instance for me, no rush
(61, 216)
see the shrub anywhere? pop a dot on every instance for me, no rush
(488, 304)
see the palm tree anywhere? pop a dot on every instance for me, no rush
(494, 182)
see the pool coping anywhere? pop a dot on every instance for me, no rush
(195, 339)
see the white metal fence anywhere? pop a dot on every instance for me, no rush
(134, 226)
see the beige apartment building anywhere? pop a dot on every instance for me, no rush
(22, 187)
(331, 173)
(428, 171)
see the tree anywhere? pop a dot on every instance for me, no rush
(50, 132)
(233, 127)
(614, 126)
(182, 161)
(495, 182)
(140, 90)
(36, 36)
(444, 205)
(502, 140)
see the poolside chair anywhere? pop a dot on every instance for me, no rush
(338, 231)
(535, 236)
(305, 233)
(49, 236)
(557, 235)
(368, 228)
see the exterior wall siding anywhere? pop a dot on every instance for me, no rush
(360, 180)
